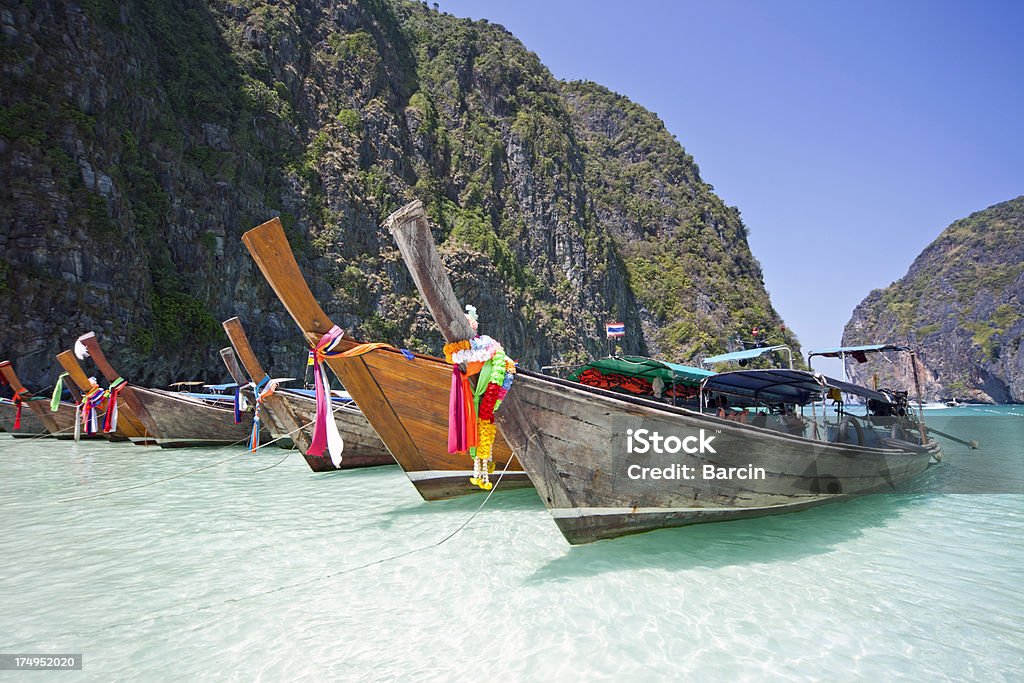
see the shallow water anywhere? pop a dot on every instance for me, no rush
(238, 573)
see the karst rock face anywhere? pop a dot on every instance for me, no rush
(140, 138)
(961, 305)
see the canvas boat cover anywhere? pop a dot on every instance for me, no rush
(783, 386)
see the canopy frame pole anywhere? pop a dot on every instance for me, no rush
(920, 407)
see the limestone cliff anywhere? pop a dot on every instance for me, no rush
(140, 138)
(962, 305)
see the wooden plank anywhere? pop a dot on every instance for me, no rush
(361, 385)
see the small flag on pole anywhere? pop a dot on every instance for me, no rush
(615, 330)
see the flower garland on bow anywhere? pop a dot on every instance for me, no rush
(471, 409)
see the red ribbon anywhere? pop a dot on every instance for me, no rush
(18, 402)
(110, 423)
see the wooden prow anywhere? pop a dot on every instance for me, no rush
(240, 341)
(412, 233)
(270, 249)
(37, 407)
(227, 354)
(74, 369)
(409, 227)
(7, 370)
(130, 399)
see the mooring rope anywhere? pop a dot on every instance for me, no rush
(306, 582)
(21, 440)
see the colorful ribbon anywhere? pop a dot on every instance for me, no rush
(262, 390)
(325, 430)
(471, 410)
(238, 404)
(58, 392)
(91, 404)
(462, 426)
(116, 387)
(18, 401)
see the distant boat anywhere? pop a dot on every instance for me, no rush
(575, 442)
(127, 428)
(952, 403)
(173, 419)
(35, 413)
(293, 412)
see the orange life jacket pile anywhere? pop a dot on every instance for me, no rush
(634, 385)
(637, 386)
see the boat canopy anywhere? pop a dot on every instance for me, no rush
(646, 368)
(783, 386)
(220, 387)
(859, 353)
(747, 354)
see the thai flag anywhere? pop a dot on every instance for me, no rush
(615, 330)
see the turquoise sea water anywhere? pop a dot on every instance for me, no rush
(237, 573)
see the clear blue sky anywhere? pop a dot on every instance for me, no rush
(849, 134)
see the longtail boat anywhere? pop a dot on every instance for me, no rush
(601, 476)
(403, 395)
(294, 412)
(126, 427)
(39, 419)
(173, 419)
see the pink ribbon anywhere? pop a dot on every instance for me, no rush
(325, 430)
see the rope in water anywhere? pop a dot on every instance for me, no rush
(305, 582)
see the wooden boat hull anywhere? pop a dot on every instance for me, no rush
(363, 448)
(59, 423)
(406, 402)
(79, 379)
(274, 421)
(573, 442)
(31, 425)
(576, 442)
(182, 422)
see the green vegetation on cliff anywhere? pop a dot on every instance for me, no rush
(139, 139)
(962, 304)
